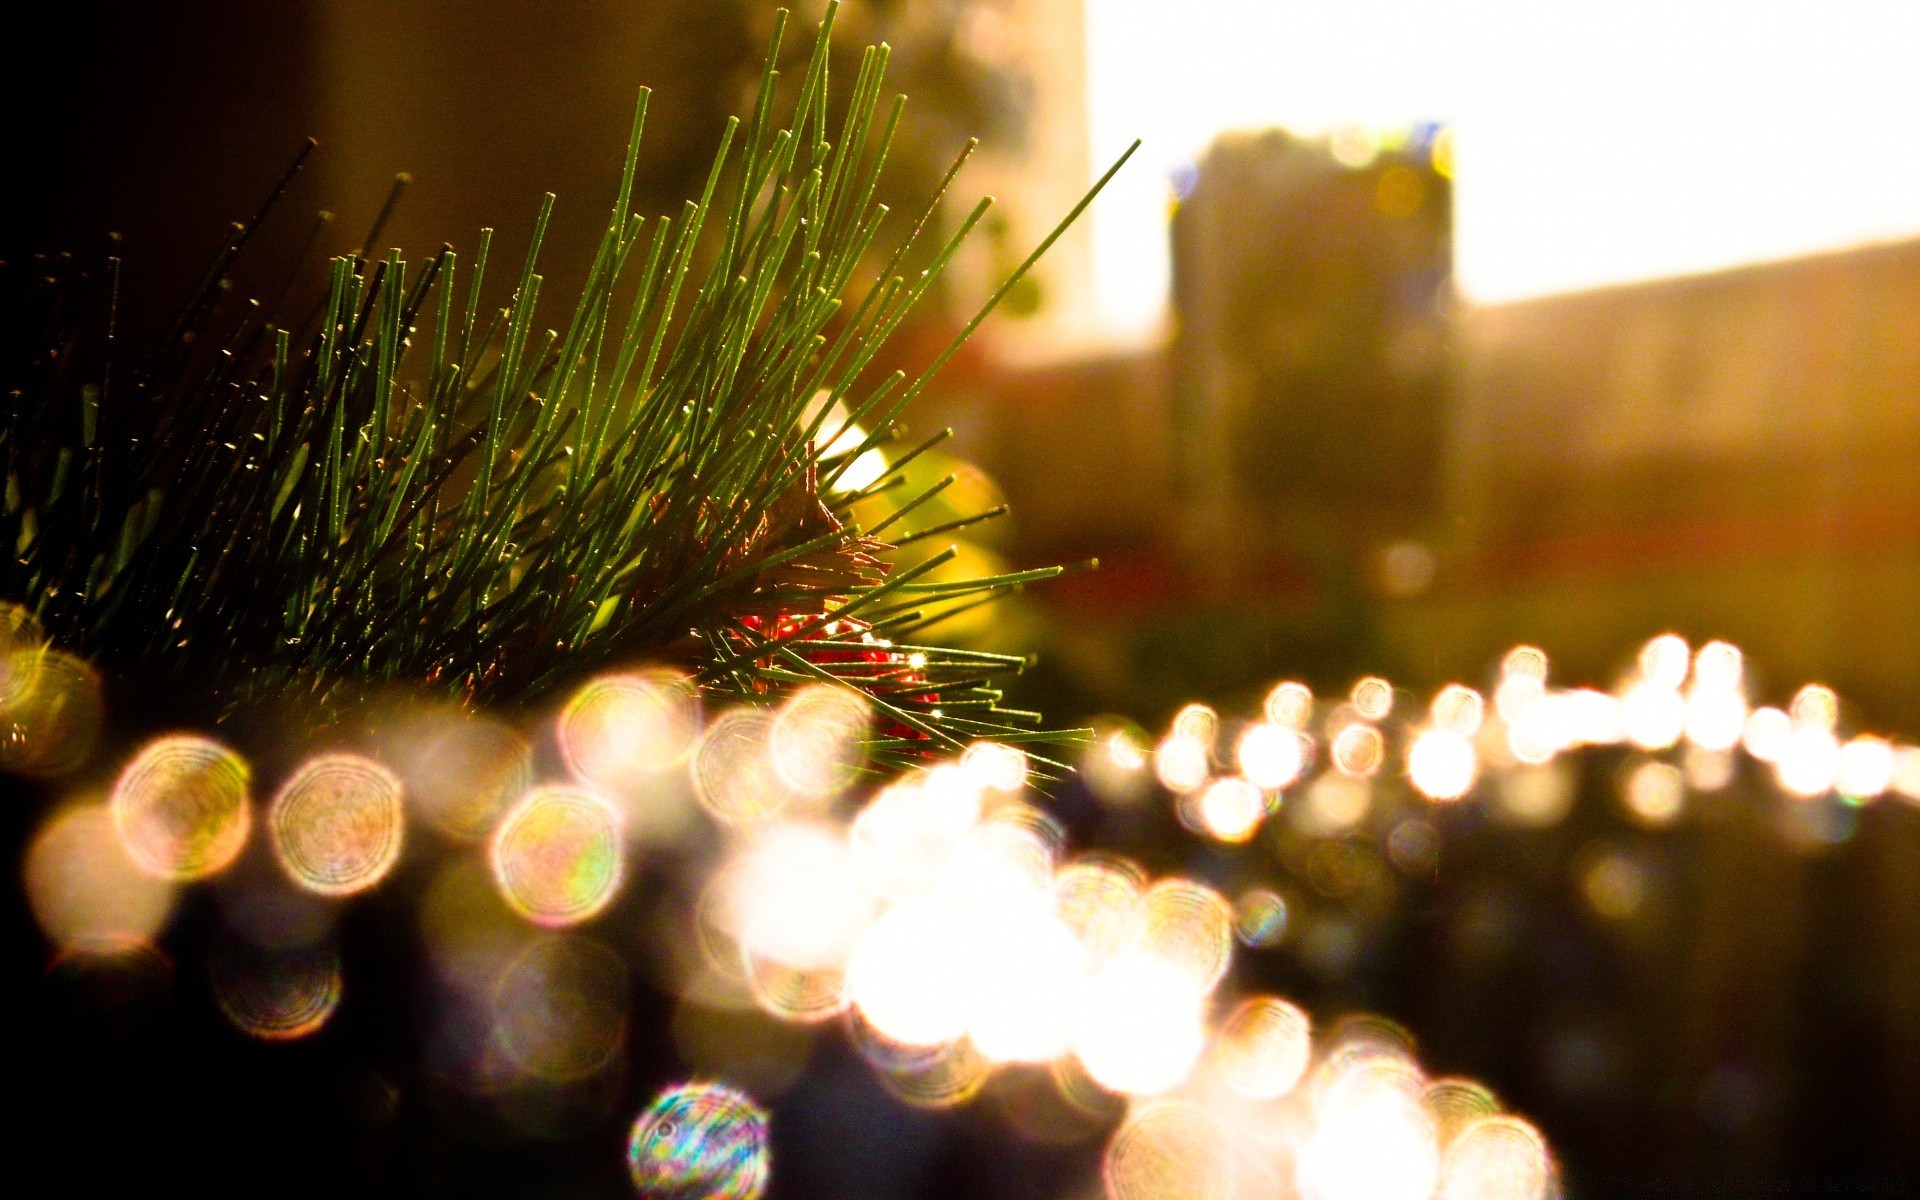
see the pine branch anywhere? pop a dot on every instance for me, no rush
(264, 508)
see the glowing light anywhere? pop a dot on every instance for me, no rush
(1271, 756)
(276, 996)
(1719, 666)
(1809, 763)
(460, 770)
(1652, 715)
(1496, 1158)
(1456, 1104)
(622, 733)
(1458, 709)
(560, 1009)
(1099, 901)
(1535, 797)
(902, 838)
(796, 900)
(1707, 770)
(1335, 804)
(1290, 705)
(86, 894)
(1141, 1027)
(1865, 768)
(1189, 926)
(1655, 792)
(1664, 661)
(938, 1076)
(337, 824)
(1181, 763)
(1262, 1048)
(1906, 772)
(1615, 885)
(1359, 750)
(1372, 1139)
(733, 772)
(1767, 733)
(909, 976)
(1171, 1150)
(817, 740)
(996, 768)
(1232, 809)
(1716, 717)
(50, 726)
(1372, 698)
(700, 1141)
(1442, 764)
(181, 807)
(1114, 766)
(1259, 918)
(1198, 722)
(1029, 974)
(1815, 706)
(556, 855)
(1525, 662)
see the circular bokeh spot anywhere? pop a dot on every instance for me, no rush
(556, 855)
(181, 807)
(337, 824)
(276, 995)
(85, 894)
(560, 1009)
(623, 732)
(51, 719)
(700, 1141)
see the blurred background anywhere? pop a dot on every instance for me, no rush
(1414, 331)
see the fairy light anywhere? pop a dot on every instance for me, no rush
(1271, 755)
(1232, 808)
(1441, 763)
(1865, 768)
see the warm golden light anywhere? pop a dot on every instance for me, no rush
(182, 807)
(1372, 698)
(1170, 1150)
(86, 894)
(1442, 764)
(1655, 793)
(337, 824)
(1865, 768)
(556, 855)
(1372, 1138)
(1181, 762)
(622, 733)
(1458, 709)
(1271, 755)
(1290, 705)
(1359, 750)
(1262, 1048)
(1232, 808)
(1141, 1027)
(460, 770)
(1189, 926)
(1497, 1158)
(817, 740)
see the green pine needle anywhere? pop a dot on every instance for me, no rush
(268, 508)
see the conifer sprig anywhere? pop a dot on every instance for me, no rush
(263, 507)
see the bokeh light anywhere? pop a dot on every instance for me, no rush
(86, 894)
(1232, 808)
(1169, 1150)
(1497, 1158)
(817, 740)
(1189, 926)
(1655, 793)
(1260, 918)
(1372, 1139)
(1290, 705)
(1865, 768)
(337, 824)
(1141, 1027)
(1262, 1048)
(460, 770)
(276, 995)
(1442, 764)
(1271, 755)
(50, 726)
(621, 733)
(733, 769)
(560, 1008)
(1372, 698)
(1359, 750)
(794, 903)
(1181, 762)
(556, 855)
(182, 808)
(700, 1140)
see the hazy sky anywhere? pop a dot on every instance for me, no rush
(1595, 142)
